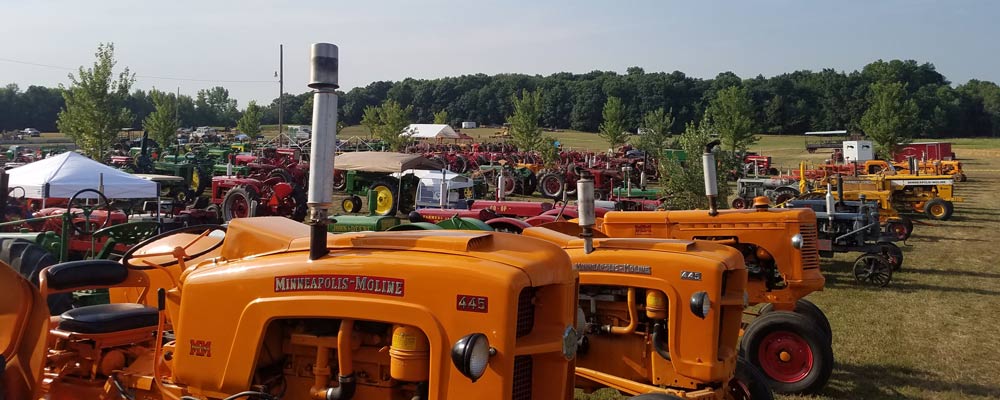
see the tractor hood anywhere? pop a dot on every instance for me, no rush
(773, 215)
(263, 236)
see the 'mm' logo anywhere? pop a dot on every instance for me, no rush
(201, 348)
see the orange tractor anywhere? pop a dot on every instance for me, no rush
(270, 308)
(791, 340)
(658, 317)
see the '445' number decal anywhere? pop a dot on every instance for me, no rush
(472, 303)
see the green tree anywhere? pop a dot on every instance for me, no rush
(441, 117)
(732, 113)
(524, 129)
(654, 136)
(162, 123)
(890, 118)
(95, 104)
(249, 123)
(684, 188)
(613, 127)
(389, 123)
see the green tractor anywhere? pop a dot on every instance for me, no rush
(370, 175)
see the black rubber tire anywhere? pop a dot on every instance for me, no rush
(893, 253)
(216, 212)
(351, 205)
(204, 180)
(752, 382)
(798, 326)
(392, 186)
(245, 193)
(281, 173)
(530, 183)
(29, 259)
(949, 208)
(300, 197)
(547, 192)
(339, 180)
(809, 310)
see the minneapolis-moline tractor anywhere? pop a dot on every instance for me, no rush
(790, 341)
(658, 316)
(269, 308)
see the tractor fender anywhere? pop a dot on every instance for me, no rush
(541, 219)
(508, 224)
(415, 226)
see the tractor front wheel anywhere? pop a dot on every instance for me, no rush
(739, 203)
(550, 185)
(901, 229)
(794, 355)
(385, 198)
(809, 310)
(749, 383)
(351, 205)
(939, 209)
(239, 203)
(892, 253)
(873, 269)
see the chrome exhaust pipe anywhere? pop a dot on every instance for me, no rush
(585, 209)
(323, 79)
(711, 178)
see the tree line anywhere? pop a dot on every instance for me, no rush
(790, 103)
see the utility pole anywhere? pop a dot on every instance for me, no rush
(281, 91)
(177, 106)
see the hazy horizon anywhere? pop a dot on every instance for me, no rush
(207, 43)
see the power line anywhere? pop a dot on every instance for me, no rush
(140, 76)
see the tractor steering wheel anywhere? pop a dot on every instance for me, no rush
(169, 250)
(87, 228)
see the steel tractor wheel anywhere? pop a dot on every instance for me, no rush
(892, 253)
(809, 310)
(794, 355)
(551, 186)
(939, 209)
(739, 203)
(240, 203)
(351, 205)
(386, 197)
(749, 383)
(873, 269)
(29, 259)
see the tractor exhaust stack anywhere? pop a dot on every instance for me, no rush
(585, 208)
(711, 179)
(323, 79)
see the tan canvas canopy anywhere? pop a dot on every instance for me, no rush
(379, 161)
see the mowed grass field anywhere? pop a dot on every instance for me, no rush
(933, 333)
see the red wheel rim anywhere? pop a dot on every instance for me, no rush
(739, 203)
(785, 356)
(241, 207)
(552, 186)
(900, 231)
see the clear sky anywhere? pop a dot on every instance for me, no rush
(390, 40)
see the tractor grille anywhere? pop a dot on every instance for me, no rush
(525, 311)
(810, 253)
(522, 378)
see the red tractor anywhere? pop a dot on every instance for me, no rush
(283, 162)
(236, 197)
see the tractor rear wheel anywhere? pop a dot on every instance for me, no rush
(386, 197)
(809, 310)
(281, 173)
(892, 253)
(550, 186)
(939, 209)
(739, 203)
(239, 203)
(339, 179)
(873, 269)
(790, 350)
(29, 259)
(900, 229)
(294, 206)
(749, 383)
(351, 205)
(784, 194)
(200, 180)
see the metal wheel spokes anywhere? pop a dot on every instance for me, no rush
(873, 269)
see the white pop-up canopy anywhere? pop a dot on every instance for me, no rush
(63, 175)
(431, 131)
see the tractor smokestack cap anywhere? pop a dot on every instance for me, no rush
(325, 66)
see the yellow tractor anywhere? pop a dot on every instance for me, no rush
(658, 316)
(269, 308)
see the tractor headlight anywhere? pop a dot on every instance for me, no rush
(569, 342)
(471, 354)
(797, 241)
(700, 304)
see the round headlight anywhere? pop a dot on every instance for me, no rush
(797, 241)
(471, 354)
(700, 304)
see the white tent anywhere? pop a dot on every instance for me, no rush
(63, 175)
(431, 131)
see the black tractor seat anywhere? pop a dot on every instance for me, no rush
(108, 318)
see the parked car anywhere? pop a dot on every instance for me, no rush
(32, 132)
